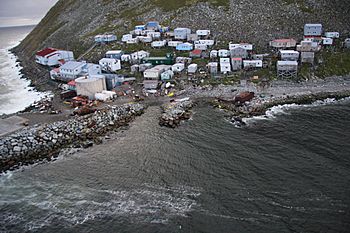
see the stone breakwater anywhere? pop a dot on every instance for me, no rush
(42, 142)
(174, 112)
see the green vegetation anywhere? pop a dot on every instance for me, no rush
(333, 63)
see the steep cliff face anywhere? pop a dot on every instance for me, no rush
(71, 24)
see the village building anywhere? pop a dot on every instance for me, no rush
(223, 53)
(126, 37)
(125, 58)
(135, 68)
(184, 47)
(225, 66)
(197, 53)
(213, 68)
(246, 46)
(53, 57)
(239, 52)
(287, 69)
(289, 55)
(174, 43)
(90, 85)
(191, 69)
(167, 75)
(313, 30)
(181, 33)
(133, 41)
(73, 69)
(178, 67)
(347, 43)
(262, 56)
(213, 54)
(192, 37)
(154, 35)
(307, 57)
(327, 41)
(308, 46)
(136, 32)
(150, 86)
(185, 60)
(283, 43)
(145, 66)
(116, 54)
(155, 72)
(105, 38)
(110, 64)
(252, 64)
(236, 63)
(140, 27)
(333, 35)
(152, 25)
(166, 60)
(158, 44)
(144, 39)
(209, 43)
(138, 56)
(203, 33)
(201, 46)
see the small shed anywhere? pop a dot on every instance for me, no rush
(327, 41)
(223, 53)
(184, 47)
(287, 69)
(236, 63)
(225, 67)
(289, 55)
(178, 67)
(134, 68)
(203, 33)
(192, 68)
(333, 35)
(307, 57)
(213, 68)
(313, 30)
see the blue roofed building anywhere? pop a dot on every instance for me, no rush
(184, 47)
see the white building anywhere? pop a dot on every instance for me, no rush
(126, 37)
(225, 67)
(206, 42)
(116, 54)
(201, 47)
(178, 67)
(133, 41)
(213, 68)
(223, 53)
(181, 33)
(73, 69)
(105, 38)
(191, 69)
(125, 58)
(289, 55)
(213, 54)
(154, 35)
(246, 46)
(155, 72)
(52, 56)
(138, 56)
(327, 41)
(334, 35)
(174, 43)
(203, 32)
(110, 64)
(313, 30)
(252, 63)
(158, 44)
(144, 39)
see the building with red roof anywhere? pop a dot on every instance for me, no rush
(53, 57)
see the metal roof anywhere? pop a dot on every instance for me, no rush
(46, 51)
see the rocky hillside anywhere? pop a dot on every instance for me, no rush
(71, 24)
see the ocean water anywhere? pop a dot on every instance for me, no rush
(288, 172)
(15, 95)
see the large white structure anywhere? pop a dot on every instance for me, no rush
(313, 30)
(53, 57)
(105, 38)
(110, 64)
(174, 43)
(116, 54)
(90, 85)
(155, 72)
(73, 69)
(287, 69)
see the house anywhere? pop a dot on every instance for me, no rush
(133, 41)
(213, 68)
(155, 72)
(260, 56)
(126, 37)
(287, 69)
(136, 32)
(167, 60)
(206, 42)
(308, 46)
(116, 54)
(236, 63)
(164, 29)
(174, 43)
(134, 68)
(152, 25)
(223, 53)
(347, 43)
(140, 27)
(167, 75)
(246, 46)
(289, 55)
(283, 43)
(154, 35)
(105, 38)
(144, 39)
(185, 60)
(158, 44)
(213, 54)
(200, 47)
(53, 57)
(178, 67)
(252, 64)
(192, 37)
(184, 47)
(125, 58)
(110, 64)
(138, 56)
(73, 69)
(150, 85)
(225, 66)
(203, 33)
(239, 52)
(197, 53)
(313, 30)
(145, 66)
(181, 33)
(307, 57)
(333, 35)
(191, 69)
(327, 41)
